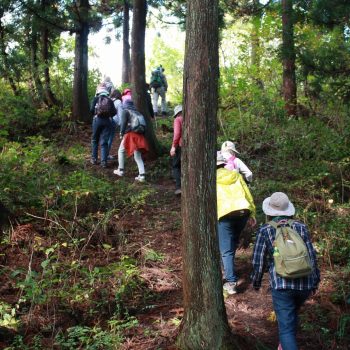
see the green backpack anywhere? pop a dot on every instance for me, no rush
(156, 79)
(290, 254)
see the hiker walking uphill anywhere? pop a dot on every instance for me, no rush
(228, 151)
(103, 109)
(235, 209)
(284, 246)
(116, 97)
(133, 141)
(159, 86)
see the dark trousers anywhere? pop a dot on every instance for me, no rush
(229, 230)
(287, 303)
(177, 168)
(101, 130)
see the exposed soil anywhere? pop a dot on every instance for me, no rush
(157, 227)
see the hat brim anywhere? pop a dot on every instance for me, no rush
(177, 113)
(290, 211)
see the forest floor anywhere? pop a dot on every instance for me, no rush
(157, 227)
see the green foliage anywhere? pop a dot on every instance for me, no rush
(8, 316)
(32, 179)
(87, 338)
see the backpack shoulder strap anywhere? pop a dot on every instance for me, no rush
(273, 224)
(290, 222)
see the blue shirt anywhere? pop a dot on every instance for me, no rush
(263, 257)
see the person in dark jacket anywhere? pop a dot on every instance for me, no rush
(101, 128)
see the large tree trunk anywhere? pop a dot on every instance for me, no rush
(288, 58)
(204, 325)
(80, 91)
(138, 71)
(126, 64)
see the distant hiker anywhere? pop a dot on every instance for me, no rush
(102, 108)
(236, 208)
(228, 151)
(116, 97)
(159, 85)
(126, 95)
(175, 150)
(107, 82)
(132, 129)
(288, 294)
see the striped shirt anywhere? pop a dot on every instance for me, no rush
(263, 257)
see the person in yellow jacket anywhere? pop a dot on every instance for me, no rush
(236, 208)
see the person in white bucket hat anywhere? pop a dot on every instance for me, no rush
(228, 151)
(288, 294)
(278, 205)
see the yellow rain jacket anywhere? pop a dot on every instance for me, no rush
(232, 193)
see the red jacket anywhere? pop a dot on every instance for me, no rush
(177, 139)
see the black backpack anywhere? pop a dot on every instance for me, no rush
(104, 107)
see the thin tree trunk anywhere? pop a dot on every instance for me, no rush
(255, 43)
(204, 325)
(126, 64)
(80, 92)
(6, 70)
(138, 72)
(50, 97)
(288, 58)
(35, 68)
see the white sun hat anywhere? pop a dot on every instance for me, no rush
(228, 145)
(177, 110)
(278, 205)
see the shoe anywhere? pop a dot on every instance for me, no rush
(230, 287)
(104, 164)
(140, 178)
(178, 192)
(93, 161)
(118, 172)
(110, 158)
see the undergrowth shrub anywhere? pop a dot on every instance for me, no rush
(35, 178)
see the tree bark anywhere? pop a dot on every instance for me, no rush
(39, 95)
(50, 97)
(80, 88)
(288, 58)
(126, 64)
(204, 325)
(6, 69)
(138, 72)
(255, 43)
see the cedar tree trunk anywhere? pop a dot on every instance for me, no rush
(204, 325)
(50, 97)
(80, 91)
(288, 58)
(138, 71)
(126, 64)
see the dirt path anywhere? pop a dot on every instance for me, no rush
(249, 312)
